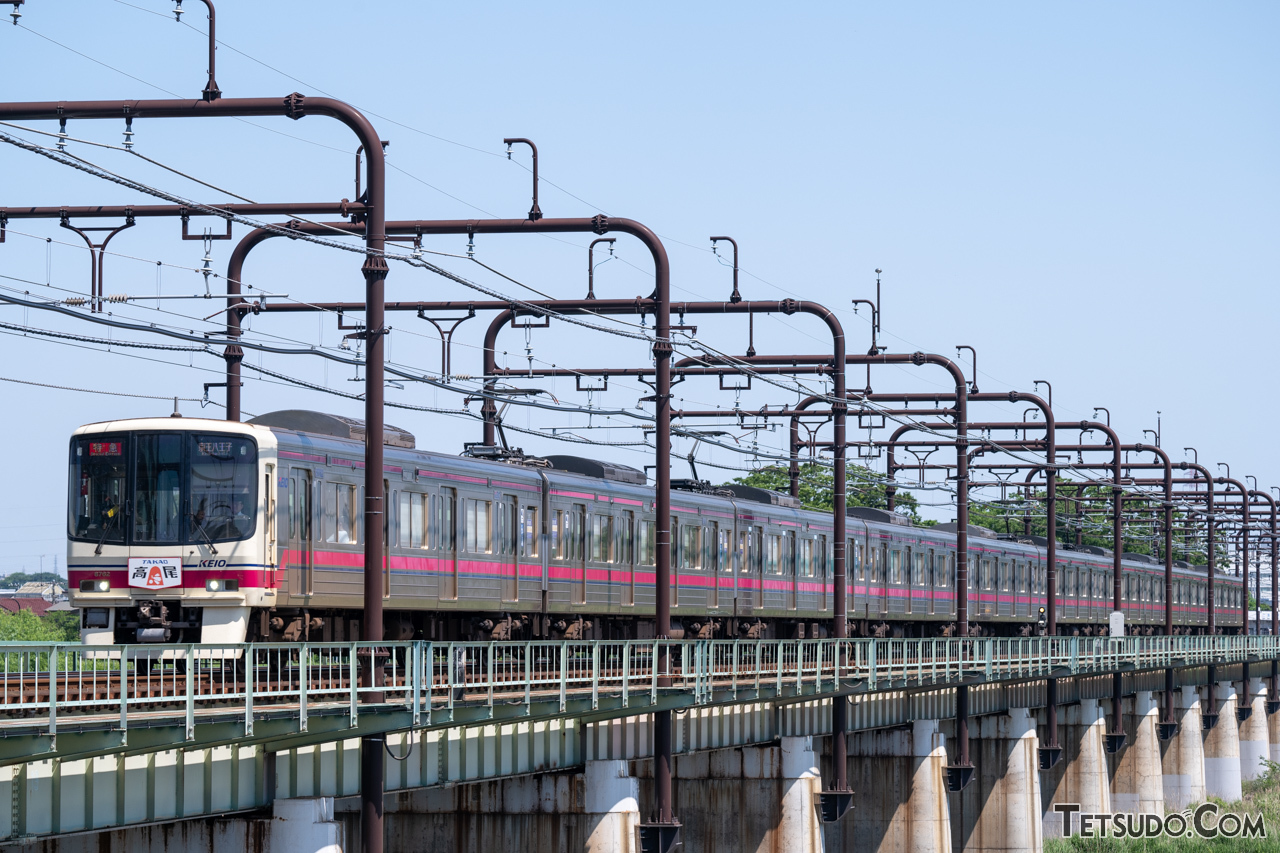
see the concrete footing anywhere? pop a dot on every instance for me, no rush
(1137, 783)
(1222, 748)
(305, 825)
(1255, 745)
(1182, 759)
(999, 812)
(1081, 777)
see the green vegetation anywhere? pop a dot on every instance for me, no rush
(817, 484)
(17, 579)
(1260, 795)
(1093, 521)
(25, 626)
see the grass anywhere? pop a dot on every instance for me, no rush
(1260, 795)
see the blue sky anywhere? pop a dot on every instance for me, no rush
(1085, 192)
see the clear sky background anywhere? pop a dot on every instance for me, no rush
(1086, 192)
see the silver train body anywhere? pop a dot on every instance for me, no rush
(190, 530)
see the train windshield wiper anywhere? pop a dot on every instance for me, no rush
(207, 538)
(106, 528)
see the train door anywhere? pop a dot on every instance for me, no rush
(300, 557)
(789, 567)
(447, 538)
(575, 551)
(626, 556)
(713, 565)
(931, 582)
(753, 564)
(386, 539)
(530, 544)
(901, 600)
(506, 532)
(883, 575)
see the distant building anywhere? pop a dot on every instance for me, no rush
(36, 596)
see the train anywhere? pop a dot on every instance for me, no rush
(187, 530)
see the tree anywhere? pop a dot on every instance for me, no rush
(17, 579)
(817, 492)
(27, 626)
(1088, 522)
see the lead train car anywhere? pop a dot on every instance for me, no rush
(192, 530)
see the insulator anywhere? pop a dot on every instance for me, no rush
(463, 377)
(15, 14)
(75, 301)
(128, 133)
(117, 297)
(62, 135)
(177, 13)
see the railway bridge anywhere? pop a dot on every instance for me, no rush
(548, 745)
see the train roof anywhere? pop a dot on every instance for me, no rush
(338, 426)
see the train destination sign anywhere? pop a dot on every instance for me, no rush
(155, 572)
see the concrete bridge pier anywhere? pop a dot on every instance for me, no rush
(799, 829)
(899, 778)
(611, 801)
(1255, 739)
(1137, 783)
(305, 825)
(1182, 759)
(1222, 748)
(1081, 776)
(999, 811)
(751, 798)
(1273, 728)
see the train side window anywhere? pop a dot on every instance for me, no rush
(724, 542)
(576, 532)
(446, 524)
(337, 508)
(625, 531)
(691, 546)
(855, 554)
(529, 531)
(557, 541)
(819, 568)
(804, 558)
(648, 545)
(477, 526)
(413, 520)
(602, 538)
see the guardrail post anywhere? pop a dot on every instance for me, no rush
(353, 676)
(991, 647)
(53, 699)
(653, 680)
(564, 675)
(304, 676)
(489, 654)
(416, 677)
(250, 678)
(124, 694)
(626, 673)
(871, 663)
(528, 675)
(595, 676)
(191, 687)
(1075, 654)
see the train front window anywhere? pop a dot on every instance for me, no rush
(96, 501)
(224, 487)
(163, 488)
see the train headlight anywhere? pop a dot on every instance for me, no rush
(220, 585)
(98, 585)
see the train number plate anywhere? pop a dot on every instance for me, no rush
(155, 572)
